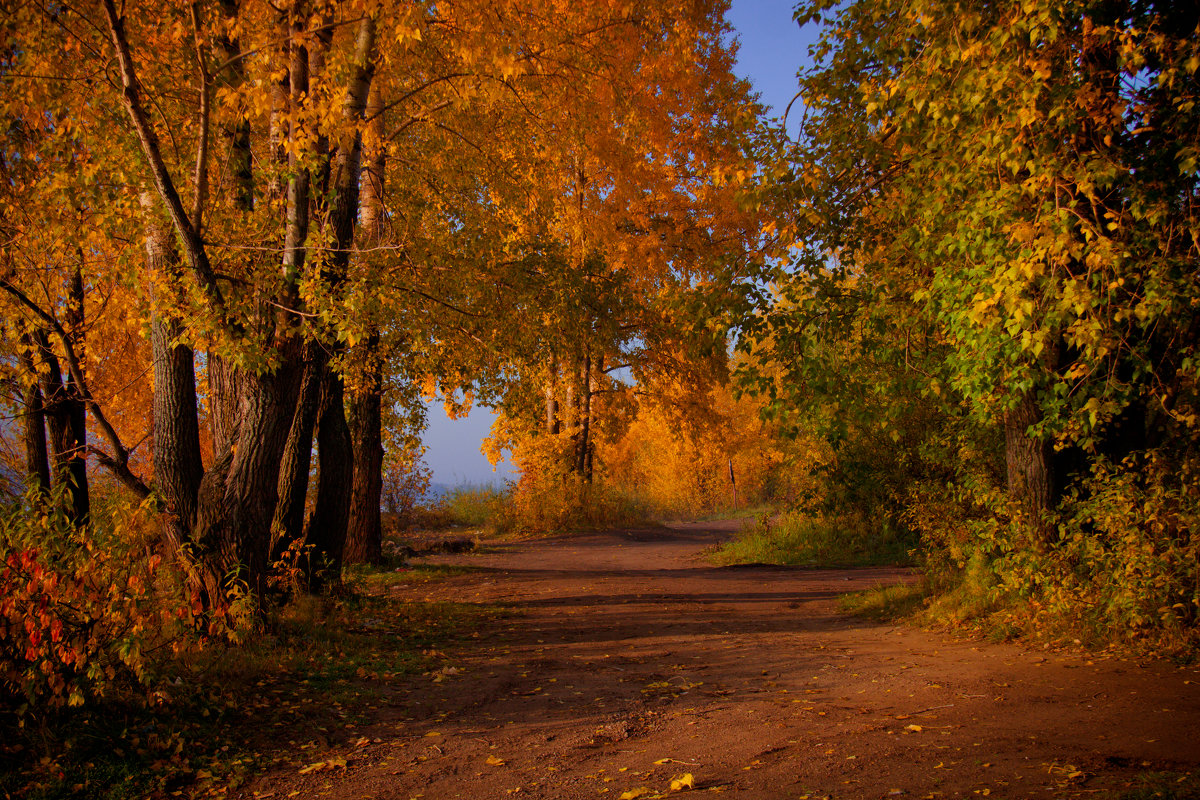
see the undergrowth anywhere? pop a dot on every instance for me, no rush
(306, 681)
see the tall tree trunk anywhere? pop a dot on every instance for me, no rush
(583, 444)
(552, 422)
(364, 535)
(287, 526)
(76, 407)
(326, 528)
(364, 539)
(37, 457)
(235, 130)
(68, 440)
(1032, 479)
(178, 469)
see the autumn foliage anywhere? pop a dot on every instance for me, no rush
(94, 612)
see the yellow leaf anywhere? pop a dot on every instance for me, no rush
(682, 782)
(320, 765)
(632, 794)
(495, 762)
(915, 728)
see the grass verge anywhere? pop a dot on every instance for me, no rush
(795, 539)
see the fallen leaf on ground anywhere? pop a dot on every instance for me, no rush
(681, 782)
(495, 762)
(633, 794)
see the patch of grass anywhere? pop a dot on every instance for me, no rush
(306, 681)
(1160, 786)
(745, 512)
(397, 572)
(886, 603)
(796, 539)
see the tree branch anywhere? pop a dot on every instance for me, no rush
(118, 462)
(192, 243)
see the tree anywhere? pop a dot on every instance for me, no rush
(228, 139)
(999, 201)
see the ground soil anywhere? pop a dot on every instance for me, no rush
(628, 660)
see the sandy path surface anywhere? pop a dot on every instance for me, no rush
(628, 660)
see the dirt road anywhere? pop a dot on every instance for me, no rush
(629, 661)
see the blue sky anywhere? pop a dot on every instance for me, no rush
(772, 49)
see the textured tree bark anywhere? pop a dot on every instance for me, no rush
(177, 462)
(239, 492)
(223, 391)
(326, 528)
(364, 538)
(1032, 482)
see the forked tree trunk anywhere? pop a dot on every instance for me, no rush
(238, 493)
